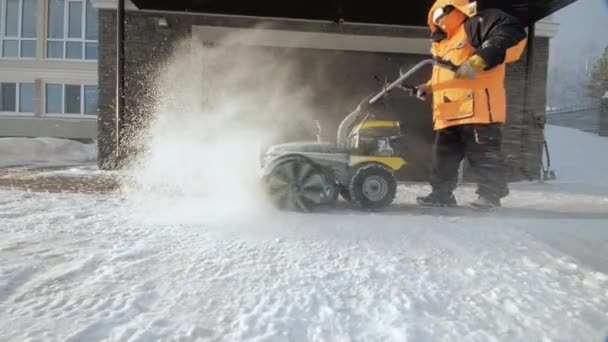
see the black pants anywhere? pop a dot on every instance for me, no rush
(481, 144)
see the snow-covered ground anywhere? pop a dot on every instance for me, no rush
(136, 267)
(45, 151)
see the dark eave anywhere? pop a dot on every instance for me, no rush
(386, 12)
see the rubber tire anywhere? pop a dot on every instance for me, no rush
(358, 198)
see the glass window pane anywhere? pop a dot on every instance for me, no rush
(72, 99)
(91, 21)
(8, 97)
(91, 51)
(54, 98)
(27, 98)
(28, 48)
(90, 99)
(74, 50)
(28, 22)
(75, 20)
(55, 50)
(12, 18)
(10, 48)
(56, 18)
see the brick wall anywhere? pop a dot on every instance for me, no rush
(147, 46)
(524, 137)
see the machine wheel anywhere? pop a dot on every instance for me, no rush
(372, 187)
(297, 184)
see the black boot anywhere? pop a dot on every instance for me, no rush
(435, 199)
(485, 203)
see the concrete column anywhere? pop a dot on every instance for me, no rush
(41, 32)
(604, 116)
(39, 96)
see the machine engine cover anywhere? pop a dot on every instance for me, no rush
(375, 138)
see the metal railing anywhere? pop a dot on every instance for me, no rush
(584, 118)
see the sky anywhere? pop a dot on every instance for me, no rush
(582, 37)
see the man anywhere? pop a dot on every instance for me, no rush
(469, 105)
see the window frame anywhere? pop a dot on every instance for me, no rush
(18, 38)
(17, 100)
(64, 41)
(82, 114)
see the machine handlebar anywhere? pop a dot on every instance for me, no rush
(361, 110)
(398, 83)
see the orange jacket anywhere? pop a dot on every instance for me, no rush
(492, 35)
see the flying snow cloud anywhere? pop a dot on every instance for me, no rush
(218, 107)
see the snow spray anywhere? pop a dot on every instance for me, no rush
(217, 108)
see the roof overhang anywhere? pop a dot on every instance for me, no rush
(383, 12)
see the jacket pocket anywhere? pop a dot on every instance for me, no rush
(456, 105)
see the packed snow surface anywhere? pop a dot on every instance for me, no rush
(578, 157)
(95, 267)
(143, 267)
(150, 266)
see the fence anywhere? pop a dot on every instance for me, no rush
(585, 118)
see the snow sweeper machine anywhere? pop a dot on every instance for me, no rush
(360, 166)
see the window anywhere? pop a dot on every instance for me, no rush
(72, 30)
(27, 96)
(70, 99)
(17, 97)
(90, 100)
(18, 28)
(8, 92)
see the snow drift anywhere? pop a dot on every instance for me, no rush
(578, 157)
(21, 151)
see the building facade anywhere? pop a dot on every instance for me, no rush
(48, 68)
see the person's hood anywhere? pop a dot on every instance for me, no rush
(468, 8)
